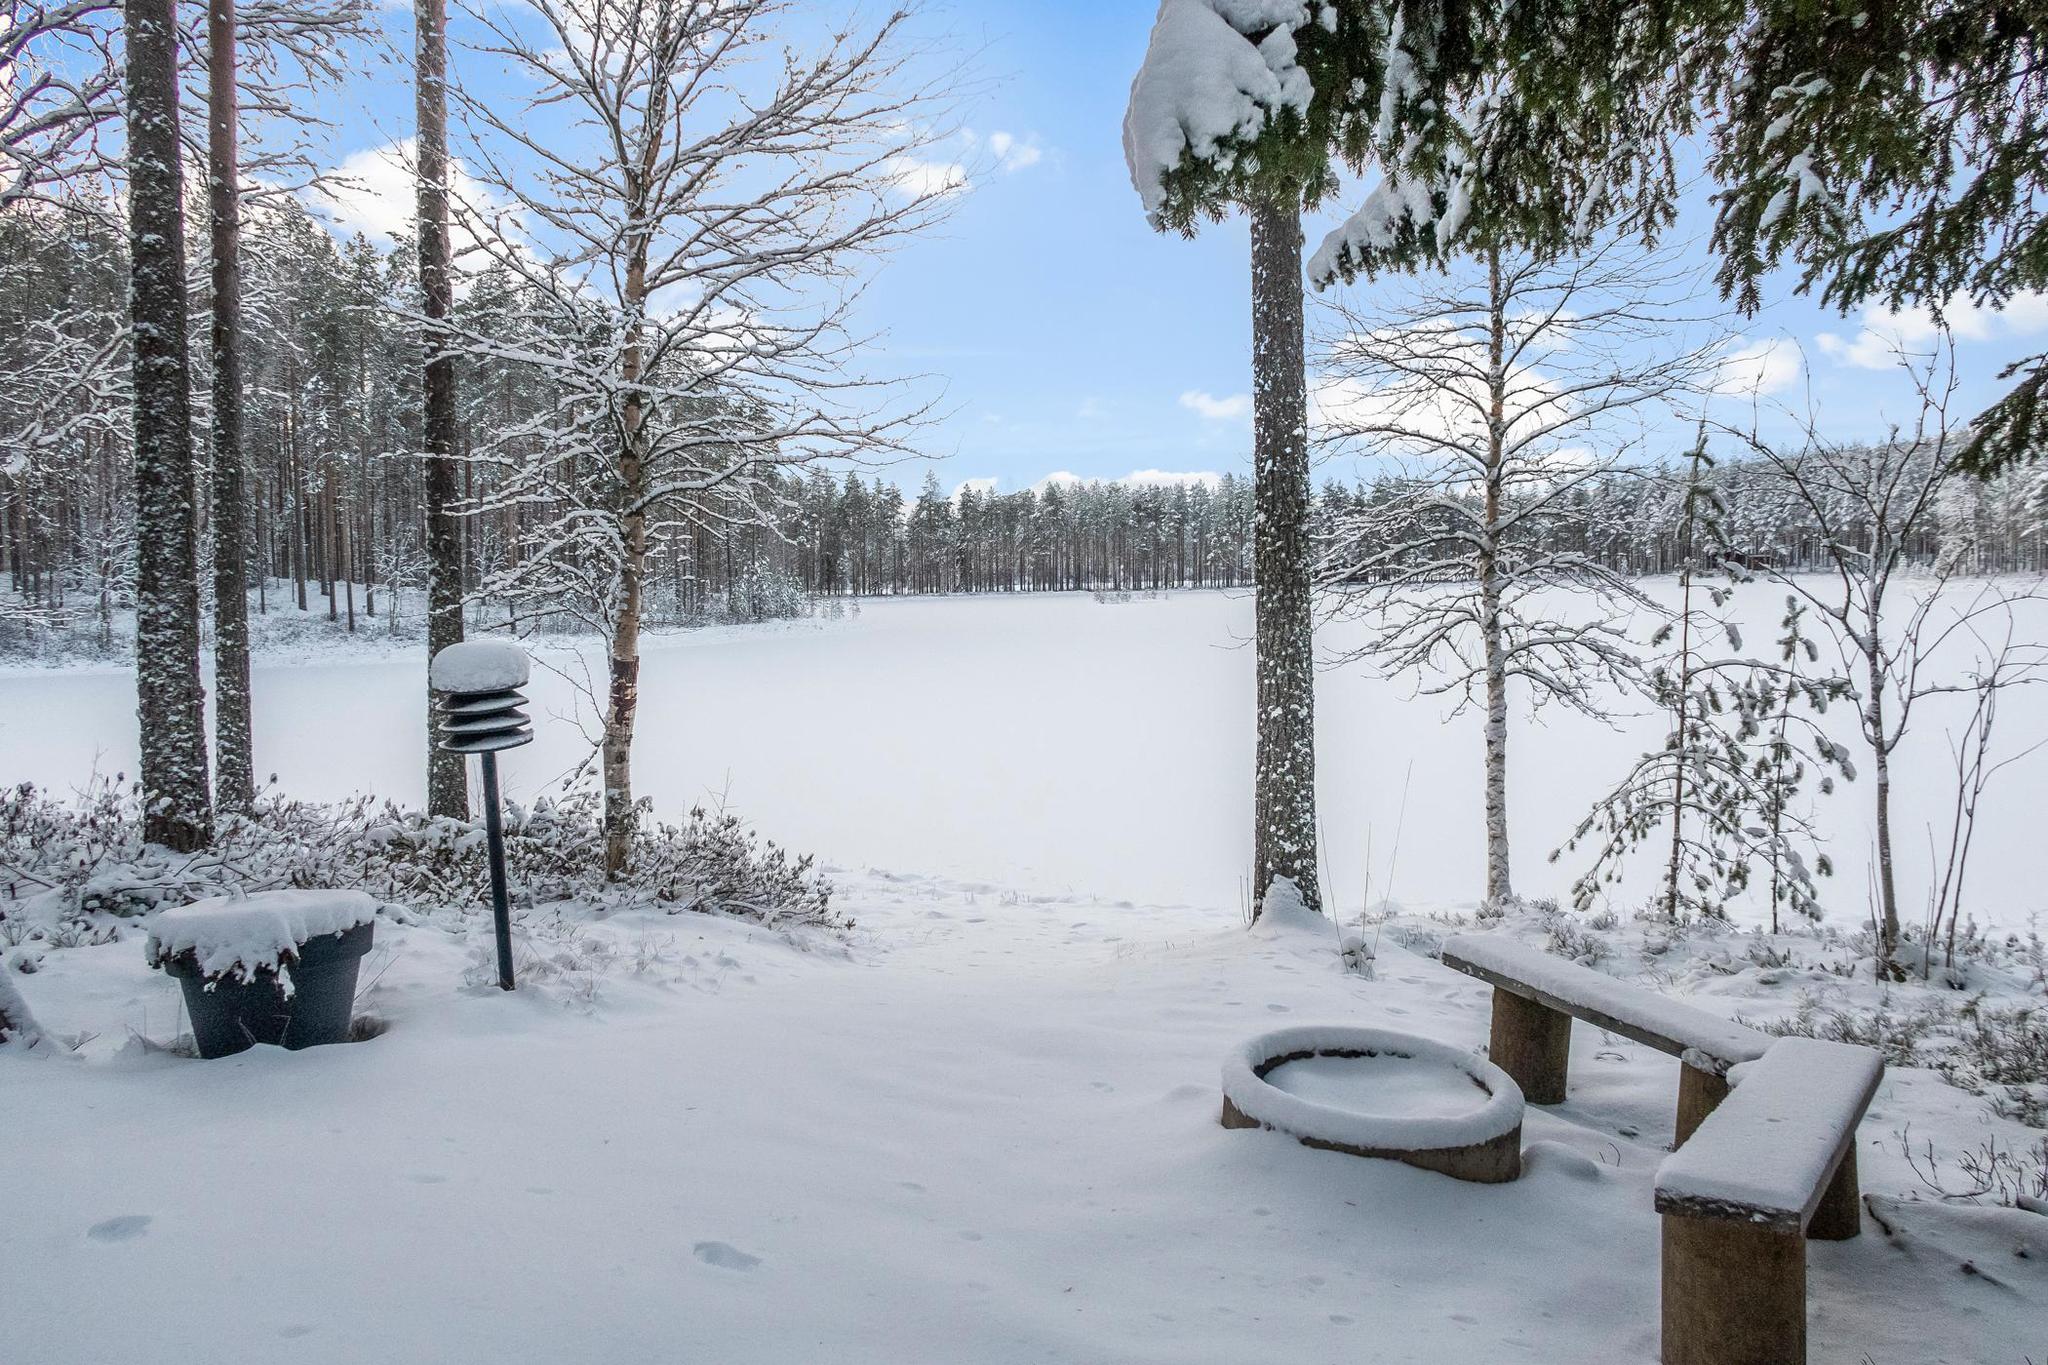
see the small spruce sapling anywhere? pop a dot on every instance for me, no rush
(1744, 739)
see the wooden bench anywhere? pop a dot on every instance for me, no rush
(1773, 1166)
(1536, 995)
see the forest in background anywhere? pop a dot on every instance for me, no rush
(333, 428)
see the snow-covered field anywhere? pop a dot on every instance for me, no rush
(1047, 743)
(984, 1128)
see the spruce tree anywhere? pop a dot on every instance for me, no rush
(1254, 106)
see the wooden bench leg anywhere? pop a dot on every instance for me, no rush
(1734, 1293)
(1840, 1214)
(1533, 1044)
(1699, 1092)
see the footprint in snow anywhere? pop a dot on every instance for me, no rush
(1104, 1086)
(297, 1329)
(125, 1228)
(724, 1255)
(1279, 1009)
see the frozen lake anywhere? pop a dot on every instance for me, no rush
(1045, 743)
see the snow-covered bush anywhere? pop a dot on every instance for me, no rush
(66, 864)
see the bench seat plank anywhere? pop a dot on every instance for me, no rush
(1651, 1019)
(1769, 1151)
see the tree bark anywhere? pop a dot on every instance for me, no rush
(447, 778)
(170, 701)
(1499, 883)
(234, 753)
(1284, 776)
(1887, 886)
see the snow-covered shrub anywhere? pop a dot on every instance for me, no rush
(17, 1024)
(67, 867)
(2001, 1053)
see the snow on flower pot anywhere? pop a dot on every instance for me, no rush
(1379, 1093)
(275, 967)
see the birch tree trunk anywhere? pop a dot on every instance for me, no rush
(622, 702)
(447, 779)
(1284, 776)
(234, 745)
(170, 701)
(1499, 883)
(1887, 886)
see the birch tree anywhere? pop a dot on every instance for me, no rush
(1502, 393)
(693, 203)
(60, 82)
(1870, 503)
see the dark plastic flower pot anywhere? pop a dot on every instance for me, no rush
(230, 1014)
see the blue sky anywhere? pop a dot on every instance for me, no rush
(1072, 337)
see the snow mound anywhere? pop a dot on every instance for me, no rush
(479, 666)
(17, 1024)
(1204, 83)
(1284, 912)
(242, 935)
(1418, 1119)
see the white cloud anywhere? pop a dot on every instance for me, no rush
(1013, 153)
(1758, 367)
(374, 193)
(1234, 408)
(982, 486)
(1887, 335)
(922, 179)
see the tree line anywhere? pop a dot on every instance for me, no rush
(331, 424)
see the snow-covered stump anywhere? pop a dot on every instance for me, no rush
(1533, 1044)
(1417, 1101)
(1773, 1165)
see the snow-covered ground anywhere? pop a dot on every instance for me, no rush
(982, 1128)
(1048, 743)
(985, 1131)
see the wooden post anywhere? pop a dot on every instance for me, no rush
(1699, 1092)
(1734, 1292)
(1840, 1214)
(1533, 1044)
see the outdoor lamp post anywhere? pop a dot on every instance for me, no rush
(480, 713)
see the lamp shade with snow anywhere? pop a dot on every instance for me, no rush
(480, 710)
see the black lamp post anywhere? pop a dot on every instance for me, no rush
(479, 713)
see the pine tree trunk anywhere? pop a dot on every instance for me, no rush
(234, 755)
(447, 779)
(1284, 777)
(170, 701)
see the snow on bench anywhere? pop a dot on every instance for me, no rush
(1649, 1018)
(1769, 1151)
